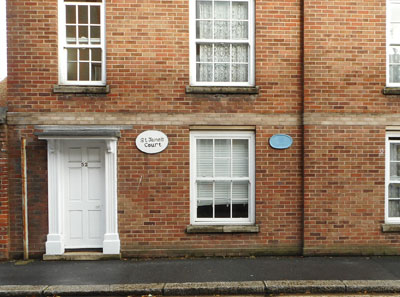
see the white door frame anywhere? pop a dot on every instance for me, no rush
(55, 237)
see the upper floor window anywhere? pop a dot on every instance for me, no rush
(81, 42)
(222, 42)
(393, 43)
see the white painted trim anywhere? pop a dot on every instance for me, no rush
(56, 208)
(194, 135)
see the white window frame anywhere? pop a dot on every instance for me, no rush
(388, 220)
(251, 42)
(62, 45)
(389, 43)
(250, 136)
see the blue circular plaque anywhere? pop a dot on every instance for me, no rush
(280, 141)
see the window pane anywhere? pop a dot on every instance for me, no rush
(395, 13)
(240, 161)
(240, 53)
(239, 72)
(94, 34)
(394, 208)
(96, 71)
(84, 54)
(221, 73)
(95, 14)
(82, 14)
(222, 167)
(239, 30)
(222, 199)
(394, 190)
(394, 54)
(205, 191)
(222, 10)
(240, 210)
(204, 29)
(204, 209)
(83, 34)
(239, 11)
(395, 152)
(96, 54)
(84, 71)
(394, 73)
(70, 14)
(204, 158)
(221, 30)
(394, 36)
(240, 192)
(204, 53)
(205, 199)
(204, 10)
(222, 52)
(223, 148)
(71, 34)
(72, 55)
(72, 71)
(204, 72)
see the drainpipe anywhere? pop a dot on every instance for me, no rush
(24, 198)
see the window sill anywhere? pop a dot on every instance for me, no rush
(222, 90)
(391, 91)
(390, 227)
(222, 229)
(61, 89)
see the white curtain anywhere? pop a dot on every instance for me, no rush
(223, 20)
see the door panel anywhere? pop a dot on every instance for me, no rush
(84, 194)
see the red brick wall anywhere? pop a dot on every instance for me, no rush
(344, 191)
(154, 198)
(344, 57)
(148, 60)
(148, 70)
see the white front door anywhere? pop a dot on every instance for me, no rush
(84, 191)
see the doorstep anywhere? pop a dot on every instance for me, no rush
(81, 256)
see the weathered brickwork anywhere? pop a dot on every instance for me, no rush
(320, 70)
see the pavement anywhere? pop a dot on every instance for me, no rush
(202, 276)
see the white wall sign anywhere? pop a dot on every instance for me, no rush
(152, 141)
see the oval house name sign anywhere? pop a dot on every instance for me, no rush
(152, 141)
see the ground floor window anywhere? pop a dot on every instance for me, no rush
(393, 177)
(222, 177)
